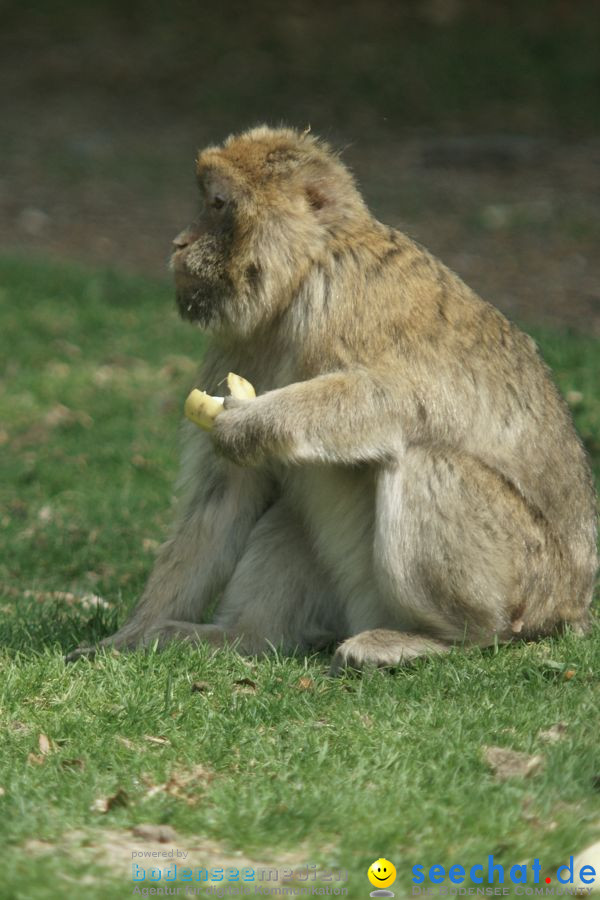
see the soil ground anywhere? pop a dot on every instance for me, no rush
(104, 106)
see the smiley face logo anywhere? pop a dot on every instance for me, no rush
(382, 873)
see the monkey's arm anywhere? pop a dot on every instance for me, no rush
(358, 415)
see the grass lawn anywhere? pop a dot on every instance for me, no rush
(267, 762)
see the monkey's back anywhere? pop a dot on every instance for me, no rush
(476, 379)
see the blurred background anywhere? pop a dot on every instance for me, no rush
(473, 125)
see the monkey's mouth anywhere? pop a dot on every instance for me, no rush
(202, 283)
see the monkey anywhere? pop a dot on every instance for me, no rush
(408, 478)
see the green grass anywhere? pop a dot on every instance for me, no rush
(336, 772)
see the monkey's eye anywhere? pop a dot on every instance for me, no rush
(218, 202)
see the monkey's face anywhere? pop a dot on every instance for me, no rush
(201, 257)
(237, 265)
(203, 287)
(274, 203)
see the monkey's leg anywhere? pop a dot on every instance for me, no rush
(460, 557)
(278, 595)
(219, 512)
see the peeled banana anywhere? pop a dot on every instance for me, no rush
(202, 409)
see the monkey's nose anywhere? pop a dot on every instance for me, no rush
(183, 239)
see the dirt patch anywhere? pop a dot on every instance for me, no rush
(105, 105)
(159, 846)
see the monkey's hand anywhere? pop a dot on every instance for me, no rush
(238, 433)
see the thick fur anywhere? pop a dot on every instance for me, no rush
(408, 476)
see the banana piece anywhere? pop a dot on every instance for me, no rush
(239, 387)
(202, 409)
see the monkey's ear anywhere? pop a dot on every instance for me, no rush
(316, 196)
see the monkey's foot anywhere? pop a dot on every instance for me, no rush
(81, 653)
(126, 638)
(381, 648)
(160, 633)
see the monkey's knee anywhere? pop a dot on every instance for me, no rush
(383, 649)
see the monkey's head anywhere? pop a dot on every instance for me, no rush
(274, 203)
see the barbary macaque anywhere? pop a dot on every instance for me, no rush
(407, 478)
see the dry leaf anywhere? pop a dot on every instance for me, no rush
(126, 742)
(245, 685)
(554, 733)
(35, 759)
(569, 673)
(59, 415)
(163, 834)
(87, 601)
(120, 798)
(45, 514)
(181, 784)
(140, 462)
(93, 601)
(105, 804)
(44, 744)
(156, 740)
(73, 764)
(181, 781)
(150, 545)
(2, 792)
(506, 763)
(18, 727)
(200, 687)
(305, 683)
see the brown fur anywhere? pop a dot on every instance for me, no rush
(408, 476)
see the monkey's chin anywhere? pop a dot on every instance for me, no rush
(198, 308)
